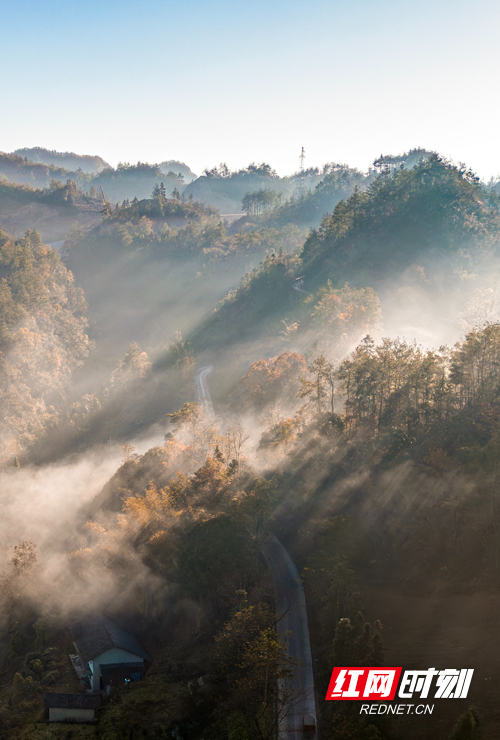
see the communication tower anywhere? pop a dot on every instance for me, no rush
(301, 185)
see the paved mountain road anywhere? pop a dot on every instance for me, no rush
(292, 626)
(202, 392)
(293, 629)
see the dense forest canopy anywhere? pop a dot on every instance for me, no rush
(179, 381)
(226, 189)
(403, 216)
(310, 204)
(42, 338)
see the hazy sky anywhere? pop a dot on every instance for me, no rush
(207, 81)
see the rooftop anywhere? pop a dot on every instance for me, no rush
(95, 637)
(71, 701)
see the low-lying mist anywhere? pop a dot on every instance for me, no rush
(348, 404)
(46, 506)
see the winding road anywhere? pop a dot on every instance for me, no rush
(293, 630)
(297, 717)
(202, 392)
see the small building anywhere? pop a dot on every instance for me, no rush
(113, 655)
(71, 707)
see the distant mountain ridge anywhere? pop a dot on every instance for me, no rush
(126, 181)
(20, 170)
(67, 160)
(179, 168)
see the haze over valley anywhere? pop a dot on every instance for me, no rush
(204, 376)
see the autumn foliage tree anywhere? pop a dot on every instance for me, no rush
(43, 338)
(279, 377)
(345, 315)
(256, 669)
(135, 365)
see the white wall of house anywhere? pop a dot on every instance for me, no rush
(114, 655)
(76, 715)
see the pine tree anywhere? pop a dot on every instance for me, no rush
(343, 643)
(467, 726)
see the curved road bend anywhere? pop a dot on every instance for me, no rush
(202, 392)
(292, 628)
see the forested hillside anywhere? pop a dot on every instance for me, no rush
(55, 209)
(68, 160)
(170, 262)
(126, 181)
(21, 170)
(420, 237)
(134, 181)
(181, 168)
(227, 190)
(325, 368)
(310, 204)
(42, 339)
(431, 211)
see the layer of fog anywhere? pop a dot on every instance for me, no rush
(148, 306)
(48, 506)
(421, 308)
(45, 504)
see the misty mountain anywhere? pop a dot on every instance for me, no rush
(42, 339)
(225, 189)
(431, 208)
(168, 250)
(407, 215)
(55, 209)
(21, 170)
(66, 160)
(128, 181)
(301, 199)
(180, 168)
(247, 370)
(412, 236)
(309, 205)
